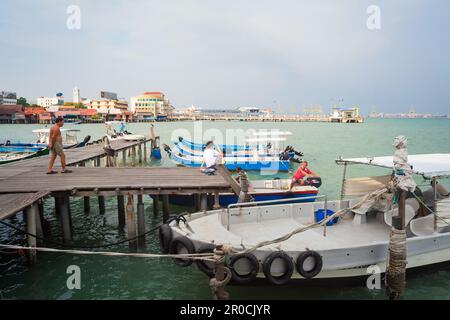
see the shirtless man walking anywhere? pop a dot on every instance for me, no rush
(56, 147)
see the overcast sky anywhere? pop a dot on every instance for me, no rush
(223, 54)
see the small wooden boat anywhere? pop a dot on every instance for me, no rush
(232, 163)
(283, 242)
(260, 190)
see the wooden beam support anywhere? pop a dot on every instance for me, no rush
(87, 204)
(121, 210)
(101, 204)
(31, 214)
(141, 221)
(166, 210)
(131, 223)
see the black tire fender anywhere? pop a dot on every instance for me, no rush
(318, 263)
(165, 238)
(189, 246)
(201, 264)
(286, 276)
(244, 279)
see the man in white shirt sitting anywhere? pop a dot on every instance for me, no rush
(210, 157)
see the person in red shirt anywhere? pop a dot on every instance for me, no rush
(301, 173)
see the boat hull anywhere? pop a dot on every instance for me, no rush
(229, 198)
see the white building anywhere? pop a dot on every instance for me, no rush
(76, 95)
(50, 101)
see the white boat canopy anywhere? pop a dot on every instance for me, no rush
(47, 130)
(427, 165)
(265, 139)
(272, 133)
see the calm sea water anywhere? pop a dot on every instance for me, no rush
(138, 278)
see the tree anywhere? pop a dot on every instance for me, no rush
(80, 105)
(23, 102)
(69, 103)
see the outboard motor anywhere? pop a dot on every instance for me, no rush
(296, 160)
(85, 141)
(180, 139)
(167, 149)
(314, 181)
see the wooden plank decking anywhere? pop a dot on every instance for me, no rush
(150, 180)
(10, 204)
(77, 155)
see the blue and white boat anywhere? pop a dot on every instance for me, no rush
(265, 163)
(260, 190)
(12, 153)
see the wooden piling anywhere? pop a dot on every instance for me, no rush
(64, 210)
(31, 213)
(145, 151)
(140, 153)
(216, 200)
(97, 162)
(141, 222)
(166, 212)
(133, 155)
(155, 204)
(101, 204)
(131, 223)
(121, 210)
(57, 206)
(87, 205)
(203, 202)
(124, 158)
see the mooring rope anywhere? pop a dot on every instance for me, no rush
(193, 256)
(431, 211)
(396, 264)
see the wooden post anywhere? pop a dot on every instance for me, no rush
(155, 204)
(124, 158)
(145, 151)
(57, 206)
(101, 204)
(133, 155)
(197, 202)
(166, 212)
(65, 218)
(203, 202)
(131, 223)
(219, 274)
(141, 221)
(87, 204)
(39, 225)
(121, 210)
(31, 213)
(97, 162)
(216, 200)
(140, 153)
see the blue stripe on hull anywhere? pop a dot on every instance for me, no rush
(227, 199)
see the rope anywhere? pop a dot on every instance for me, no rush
(193, 256)
(431, 211)
(396, 264)
(75, 246)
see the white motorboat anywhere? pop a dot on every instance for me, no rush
(123, 134)
(70, 138)
(282, 242)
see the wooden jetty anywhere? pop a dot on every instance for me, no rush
(25, 184)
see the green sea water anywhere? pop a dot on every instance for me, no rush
(137, 278)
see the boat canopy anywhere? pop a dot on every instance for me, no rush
(427, 165)
(47, 130)
(265, 139)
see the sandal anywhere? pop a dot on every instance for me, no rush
(52, 172)
(66, 171)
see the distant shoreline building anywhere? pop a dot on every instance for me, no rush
(346, 115)
(76, 95)
(8, 98)
(150, 105)
(47, 102)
